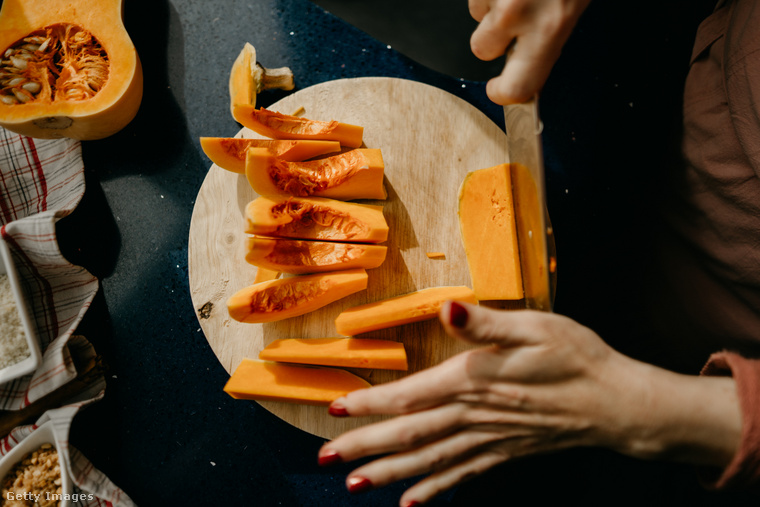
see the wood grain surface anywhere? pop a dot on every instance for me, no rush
(429, 139)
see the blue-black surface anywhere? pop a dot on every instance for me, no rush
(165, 431)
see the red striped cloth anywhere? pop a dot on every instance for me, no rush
(91, 486)
(42, 181)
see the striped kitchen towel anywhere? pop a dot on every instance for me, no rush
(42, 181)
(91, 487)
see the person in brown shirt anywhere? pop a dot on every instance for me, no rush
(542, 382)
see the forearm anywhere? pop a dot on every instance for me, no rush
(678, 417)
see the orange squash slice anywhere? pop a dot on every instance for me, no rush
(316, 218)
(343, 352)
(282, 126)
(309, 385)
(229, 152)
(354, 174)
(248, 78)
(300, 257)
(489, 234)
(289, 297)
(413, 307)
(69, 69)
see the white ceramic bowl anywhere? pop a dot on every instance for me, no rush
(42, 435)
(32, 362)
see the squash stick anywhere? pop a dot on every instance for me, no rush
(270, 381)
(413, 307)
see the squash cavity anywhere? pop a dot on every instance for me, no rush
(68, 69)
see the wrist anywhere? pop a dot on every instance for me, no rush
(674, 417)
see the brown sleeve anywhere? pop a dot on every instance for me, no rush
(744, 470)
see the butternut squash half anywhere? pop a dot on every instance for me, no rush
(489, 233)
(289, 297)
(309, 385)
(69, 69)
(299, 257)
(229, 152)
(354, 174)
(413, 307)
(316, 218)
(342, 352)
(283, 126)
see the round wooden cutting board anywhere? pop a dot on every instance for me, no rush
(429, 139)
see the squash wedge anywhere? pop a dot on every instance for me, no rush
(309, 385)
(298, 257)
(354, 174)
(229, 152)
(283, 126)
(289, 297)
(316, 218)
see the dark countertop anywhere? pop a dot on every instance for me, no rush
(165, 432)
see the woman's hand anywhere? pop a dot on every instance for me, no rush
(539, 29)
(541, 382)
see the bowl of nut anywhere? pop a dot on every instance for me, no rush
(19, 345)
(32, 474)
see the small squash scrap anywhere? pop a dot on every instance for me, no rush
(299, 257)
(229, 152)
(289, 297)
(282, 126)
(489, 234)
(316, 218)
(354, 174)
(69, 69)
(309, 385)
(413, 307)
(265, 275)
(342, 352)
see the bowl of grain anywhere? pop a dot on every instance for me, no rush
(31, 472)
(19, 345)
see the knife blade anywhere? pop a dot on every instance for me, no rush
(535, 239)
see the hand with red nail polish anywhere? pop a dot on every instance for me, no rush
(539, 382)
(337, 410)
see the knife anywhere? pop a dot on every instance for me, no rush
(535, 238)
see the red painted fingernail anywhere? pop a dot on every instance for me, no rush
(358, 484)
(329, 458)
(337, 410)
(412, 503)
(457, 315)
